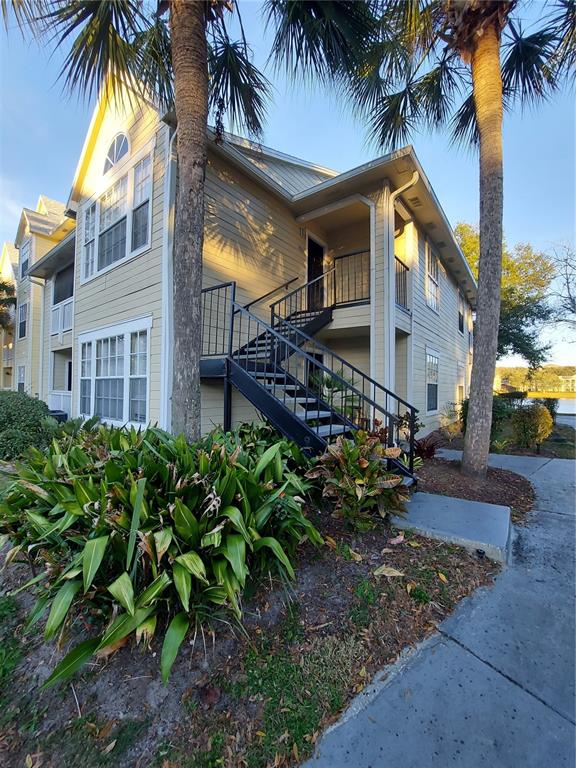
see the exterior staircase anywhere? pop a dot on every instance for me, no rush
(308, 392)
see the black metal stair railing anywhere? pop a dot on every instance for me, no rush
(305, 380)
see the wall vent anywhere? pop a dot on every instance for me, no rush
(415, 201)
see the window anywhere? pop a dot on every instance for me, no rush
(141, 203)
(118, 149)
(461, 312)
(461, 383)
(89, 239)
(22, 320)
(21, 378)
(63, 285)
(432, 285)
(86, 378)
(24, 257)
(114, 374)
(117, 224)
(431, 382)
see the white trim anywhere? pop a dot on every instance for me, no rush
(342, 203)
(140, 323)
(428, 254)
(124, 158)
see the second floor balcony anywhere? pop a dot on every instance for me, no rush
(61, 317)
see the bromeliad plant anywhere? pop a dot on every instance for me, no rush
(145, 530)
(355, 475)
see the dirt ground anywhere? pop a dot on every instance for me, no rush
(233, 699)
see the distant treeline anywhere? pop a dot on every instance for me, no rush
(549, 378)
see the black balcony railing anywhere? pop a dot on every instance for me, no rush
(352, 278)
(401, 284)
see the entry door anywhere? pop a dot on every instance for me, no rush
(315, 269)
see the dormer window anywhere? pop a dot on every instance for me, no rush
(118, 149)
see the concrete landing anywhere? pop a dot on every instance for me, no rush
(474, 525)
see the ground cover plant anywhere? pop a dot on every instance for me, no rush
(143, 533)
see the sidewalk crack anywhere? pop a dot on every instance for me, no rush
(505, 676)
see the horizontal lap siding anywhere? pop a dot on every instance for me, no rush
(132, 289)
(438, 331)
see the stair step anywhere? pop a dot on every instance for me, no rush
(308, 415)
(282, 387)
(301, 400)
(328, 430)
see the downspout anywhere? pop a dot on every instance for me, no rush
(167, 292)
(41, 284)
(391, 340)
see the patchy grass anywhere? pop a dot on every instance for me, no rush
(235, 700)
(560, 445)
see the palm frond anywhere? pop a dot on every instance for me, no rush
(435, 91)
(463, 125)
(413, 23)
(102, 34)
(28, 14)
(394, 118)
(562, 21)
(154, 62)
(385, 63)
(526, 72)
(237, 86)
(319, 39)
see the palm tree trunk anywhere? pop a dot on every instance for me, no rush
(189, 59)
(487, 88)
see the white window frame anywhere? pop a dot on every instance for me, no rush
(123, 329)
(121, 159)
(429, 352)
(432, 281)
(126, 167)
(58, 322)
(461, 380)
(26, 243)
(21, 378)
(461, 306)
(21, 307)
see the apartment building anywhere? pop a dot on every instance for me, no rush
(8, 271)
(325, 293)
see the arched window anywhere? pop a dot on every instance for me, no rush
(118, 149)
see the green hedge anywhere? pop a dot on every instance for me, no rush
(501, 410)
(24, 422)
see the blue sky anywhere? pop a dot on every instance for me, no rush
(42, 131)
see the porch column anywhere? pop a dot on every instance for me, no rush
(382, 331)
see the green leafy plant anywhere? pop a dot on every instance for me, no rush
(502, 409)
(552, 403)
(24, 422)
(450, 424)
(354, 474)
(531, 425)
(149, 531)
(500, 446)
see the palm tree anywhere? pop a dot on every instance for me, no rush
(183, 54)
(461, 63)
(7, 302)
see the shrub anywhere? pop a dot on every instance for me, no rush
(551, 403)
(148, 531)
(450, 424)
(355, 475)
(426, 447)
(23, 423)
(531, 425)
(502, 409)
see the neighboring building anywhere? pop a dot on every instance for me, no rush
(8, 269)
(390, 304)
(568, 383)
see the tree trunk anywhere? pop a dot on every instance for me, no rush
(189, 59)
(487, 88)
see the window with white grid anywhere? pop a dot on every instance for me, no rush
(432, 280)
(461, 312)
(86, 378)
(109, 384)
(432, 365)
(117, 224)
(24, 257)
(114, 373)
(138, 376)
(22, 320)
(89, 239)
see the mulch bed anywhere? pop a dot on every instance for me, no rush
(499, 487)
(233, 700)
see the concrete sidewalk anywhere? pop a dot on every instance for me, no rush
(495, 685)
